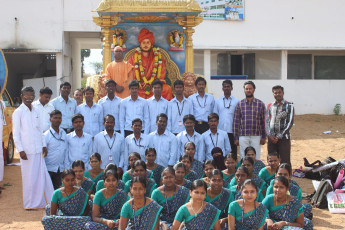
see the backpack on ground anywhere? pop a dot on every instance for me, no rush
(319, 199)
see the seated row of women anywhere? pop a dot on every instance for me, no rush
(172, 205)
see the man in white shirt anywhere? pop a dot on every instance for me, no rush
(44, 108)
(111, 103)
(78, 96)
(164, 142)
(137, 141)
(203, 104)
(189, 135)
(56, 141)
(215, 137)
(157, 104)
(178, 107)
(29, 141)
(92, 112)
(225, 108)
(133, 107)
(66, 105)
(79, 142)
(109, 144)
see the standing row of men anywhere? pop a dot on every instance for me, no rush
(194, 119)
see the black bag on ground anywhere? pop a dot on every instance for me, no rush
(319, 199)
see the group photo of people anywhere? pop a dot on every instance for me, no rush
(135, 163)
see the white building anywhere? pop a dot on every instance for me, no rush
(297, 44)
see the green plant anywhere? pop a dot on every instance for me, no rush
(337, 109)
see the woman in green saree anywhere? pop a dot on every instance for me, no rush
(140, 212)
(197, 213)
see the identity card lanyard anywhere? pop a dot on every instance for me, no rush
(204, 102)
(59, 139)
(135, 140)
(135, 227)
(212, 140)
(227, 107)
(178, 107)
(243, 209)
(110, 147)
(166, 198)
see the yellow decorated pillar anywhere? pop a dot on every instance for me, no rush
(106, 22)
(188, 22)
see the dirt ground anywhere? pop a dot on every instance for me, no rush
(308, 141)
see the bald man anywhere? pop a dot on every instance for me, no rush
(121, 72)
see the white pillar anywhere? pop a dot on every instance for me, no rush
(284, 64)
(207, 64)
(76, 65)
(59, 71)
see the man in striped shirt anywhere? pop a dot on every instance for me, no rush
(249, 121)
(279, 121)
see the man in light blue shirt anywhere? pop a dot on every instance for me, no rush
(164, 142)
(189, 135)
(225, 108)
(178, 107)
(56, 142)
(79, 142)
(109, 144)
(133, 107)
(203, 104)
(136, 142)
(111, 103)
(157, 104)
(66, 105)
(92, 112)
(215, 138)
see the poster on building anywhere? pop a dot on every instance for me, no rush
(229, 10)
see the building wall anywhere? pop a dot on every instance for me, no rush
(269, 25)
(31, 24)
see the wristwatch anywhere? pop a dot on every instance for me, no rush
(286, 223)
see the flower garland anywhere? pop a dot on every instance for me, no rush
(139, 69)
(172, 40)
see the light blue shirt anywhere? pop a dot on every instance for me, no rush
(111, 107)
(155, 108)
(129, 110)
(176, 111)
(220, 139)
(93, 118)
(183, 138)
(225, 108)
(67, 109)
(79, 148)
(110, 149)
(134, 145)
(202, 106)
(166, 147)
(57, 147)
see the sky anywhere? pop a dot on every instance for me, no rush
(95, 56)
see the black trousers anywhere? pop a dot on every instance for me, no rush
(56, 179)
(201, 126)
(233, 146)
(283, 148)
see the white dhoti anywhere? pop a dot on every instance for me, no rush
(37, 185)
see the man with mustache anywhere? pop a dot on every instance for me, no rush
(249, 121)
(279, 121)
(149, 64)
(30, 143)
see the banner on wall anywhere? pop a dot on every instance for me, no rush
(229, 10)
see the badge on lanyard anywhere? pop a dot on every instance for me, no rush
(180, 123)
(110, 157)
